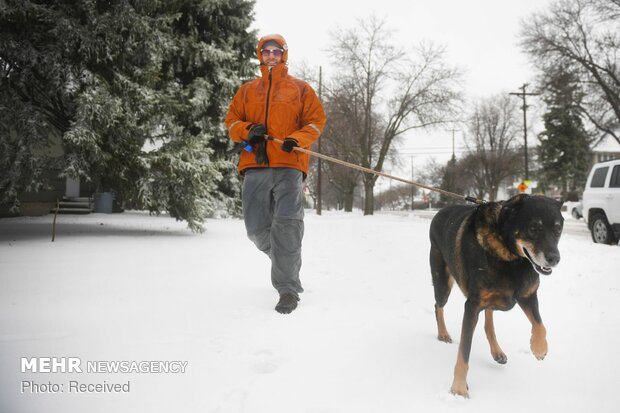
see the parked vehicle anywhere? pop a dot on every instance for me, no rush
(601, 202)
(575, 209)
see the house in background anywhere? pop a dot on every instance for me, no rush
(607, 150)
(71, 195)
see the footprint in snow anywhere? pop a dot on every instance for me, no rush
(266, 363)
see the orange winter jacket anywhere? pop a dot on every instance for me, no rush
(287, 106)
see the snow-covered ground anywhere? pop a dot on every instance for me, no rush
(131, 287)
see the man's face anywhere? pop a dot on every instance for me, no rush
(272, 55)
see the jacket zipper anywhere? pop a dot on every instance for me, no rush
(268, 95)
(264, 144)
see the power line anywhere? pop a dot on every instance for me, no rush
(448, 151)
(414, 148)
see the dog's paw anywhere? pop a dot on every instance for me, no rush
(460, 389)
(539, 347)
(445, 338)
(500, 357)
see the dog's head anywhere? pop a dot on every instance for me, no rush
(531, 227)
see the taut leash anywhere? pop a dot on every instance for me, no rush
(372, 171)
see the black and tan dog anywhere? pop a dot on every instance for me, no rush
(494, 252)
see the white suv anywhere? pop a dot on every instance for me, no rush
(601, 202)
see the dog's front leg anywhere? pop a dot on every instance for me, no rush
(538, 342)
(470, 319)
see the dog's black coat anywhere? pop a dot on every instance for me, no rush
(494, 252)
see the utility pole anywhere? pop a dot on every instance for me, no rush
(523, 94)
(319, 198)
(412, 188)
(453, 152)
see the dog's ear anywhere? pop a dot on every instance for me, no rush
(560, 203)
(510, 207)
(488, 214)
(517, 199)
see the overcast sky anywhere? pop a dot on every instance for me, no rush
(480, 36)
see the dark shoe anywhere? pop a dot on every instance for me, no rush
(287, 303)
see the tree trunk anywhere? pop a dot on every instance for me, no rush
(348, 200)
(493, 193)
(369, 198)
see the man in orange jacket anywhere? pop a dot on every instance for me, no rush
(283, 107)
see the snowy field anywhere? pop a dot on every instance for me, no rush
(130, 287)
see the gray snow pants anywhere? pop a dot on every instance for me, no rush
(273, 213)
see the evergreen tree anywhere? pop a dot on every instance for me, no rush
(458, 178)
(585, 36)
(448, 182)
(210, 60)
(564, 144)
(103, 77)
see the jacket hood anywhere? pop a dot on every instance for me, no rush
(277, 38)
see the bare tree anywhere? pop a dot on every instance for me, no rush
(340, 140)
(470, 166)
(493, 154)
(584, 36)
(391, 92)
(398, 197)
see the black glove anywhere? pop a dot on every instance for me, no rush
(257, 134)
(289, 144)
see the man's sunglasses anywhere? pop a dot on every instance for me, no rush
(275, 52)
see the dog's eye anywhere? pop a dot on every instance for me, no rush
(534, 230)
(557, 228)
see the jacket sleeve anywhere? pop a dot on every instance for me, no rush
(238, 127)
(312, 119)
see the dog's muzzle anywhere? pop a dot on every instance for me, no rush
(552, 260)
